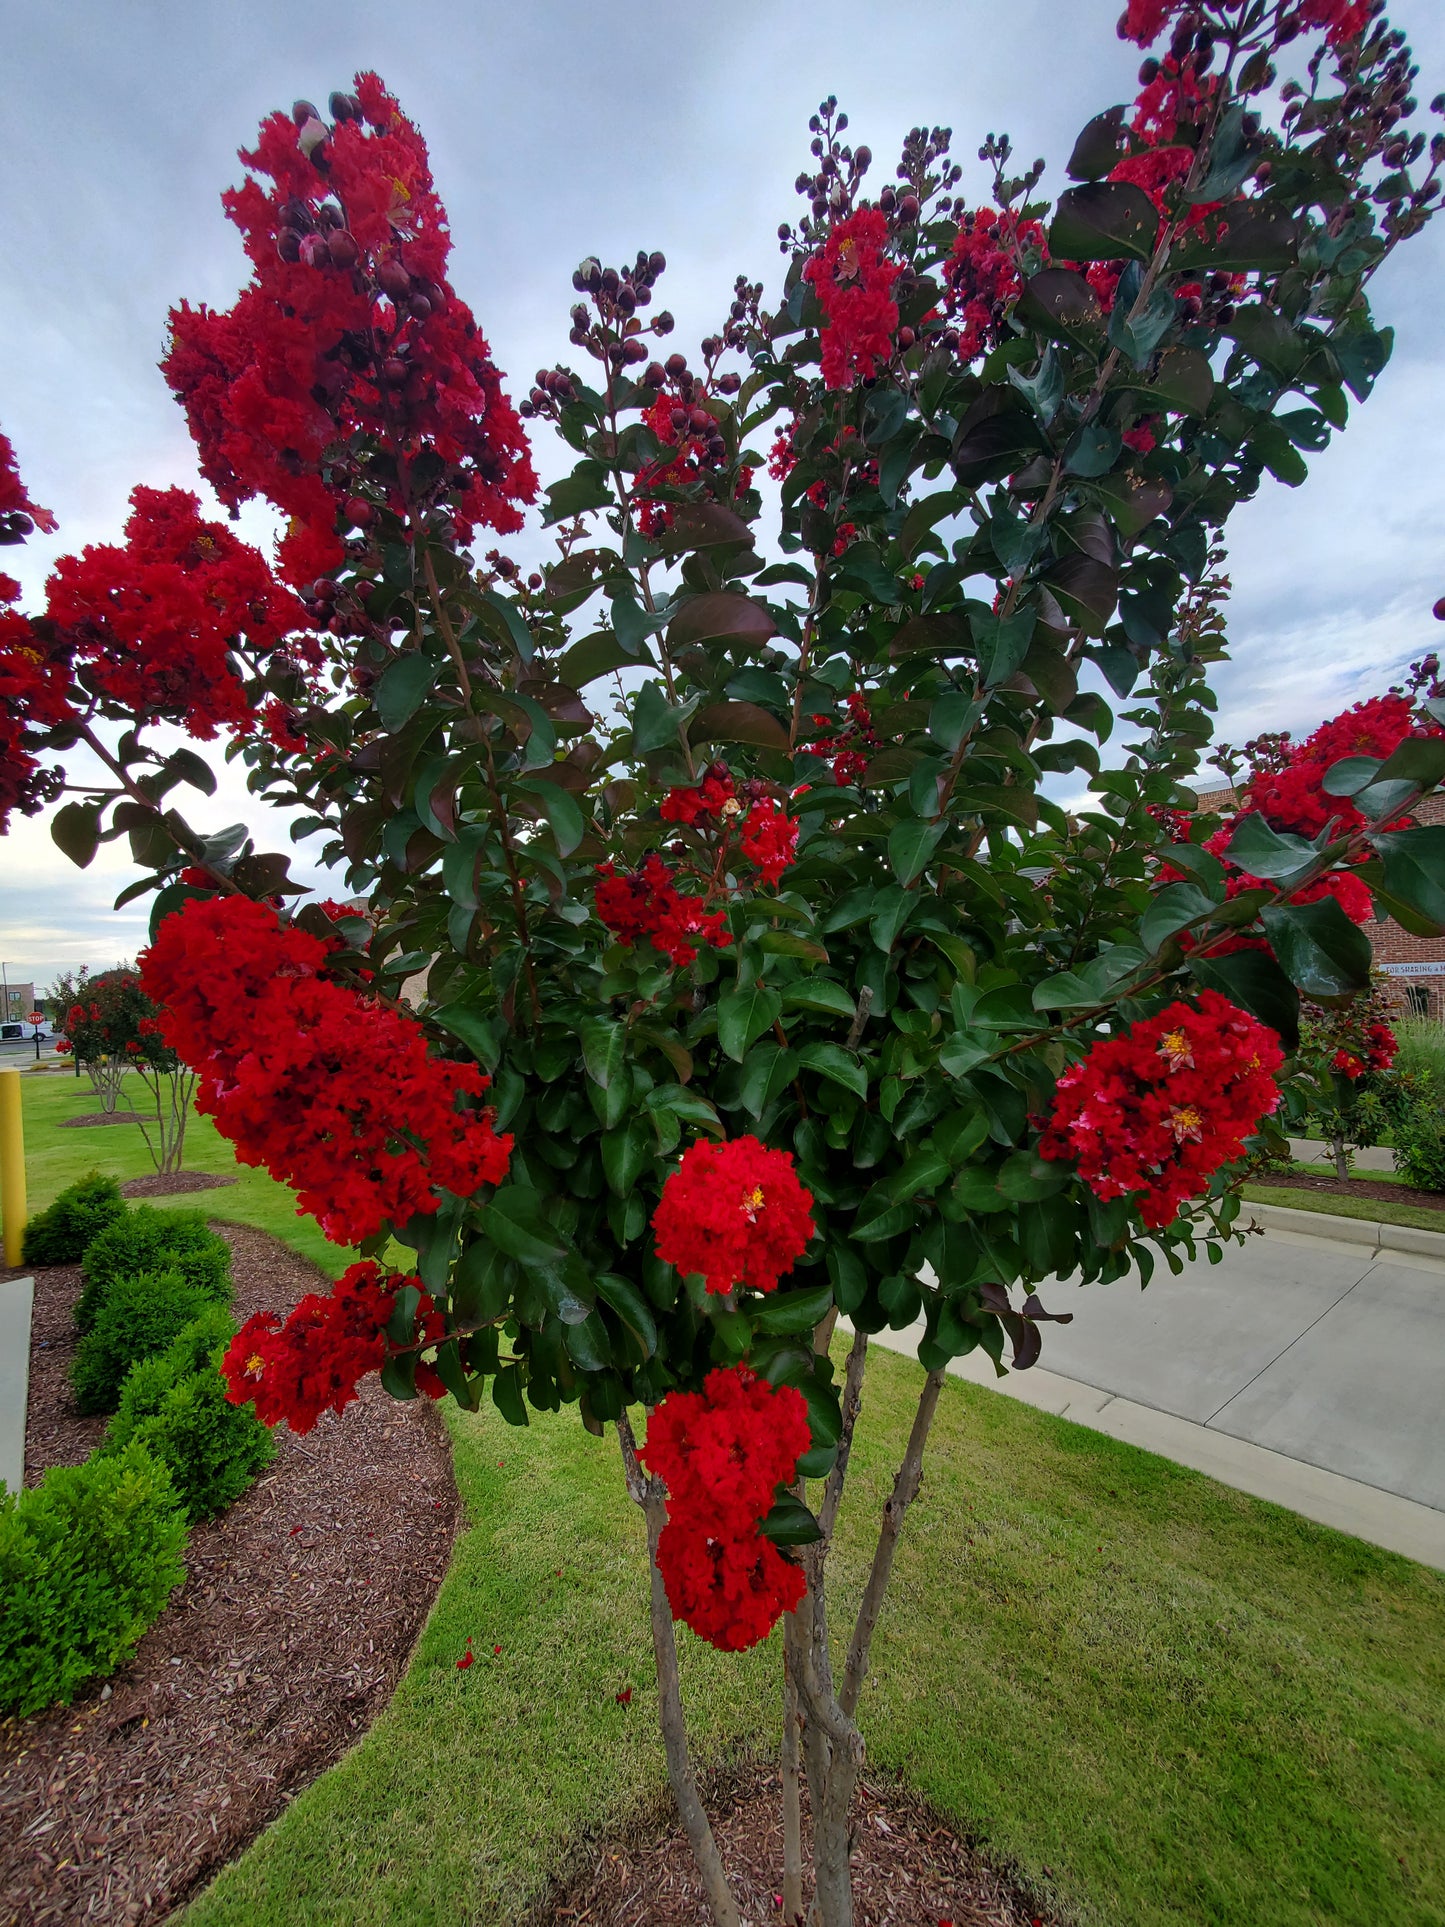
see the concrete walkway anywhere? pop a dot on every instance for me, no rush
(1374, 1157)
(1303, 1370)
(16, 1298)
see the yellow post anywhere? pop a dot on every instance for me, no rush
(12, 1165)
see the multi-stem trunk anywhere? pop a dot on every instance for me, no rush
(165, 1131)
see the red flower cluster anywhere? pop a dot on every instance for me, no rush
(34, 676)
(18, 514)
(646, 902)
(314, 1361)
(1156, 1112)
(711, 797)
(156, 622)
(848, 747)
(735, 1213)
(336, 1095)
(1343, 20)
(1293, 798)
(854, 279)
(684, 426)
(348, 326)
(769, 838)
(722, 1453)
(983, 275)
(1379, 1046)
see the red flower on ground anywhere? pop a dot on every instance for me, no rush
(853, 279)
(334, 1093)
(734, 1213)
(1156, 1112)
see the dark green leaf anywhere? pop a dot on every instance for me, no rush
(1415, 868)
(1322, 953)
(840, 1066)
(75, 829)
(1103, 220)
(561, 810)
(403, 688)
(911, 845)
(1252, 979)
(785, 1312)
(790, 1523)
(742, 1017)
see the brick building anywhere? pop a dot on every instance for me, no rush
(1414, 965)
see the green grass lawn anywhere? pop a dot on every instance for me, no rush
(56, 1156)
(1167, 1701)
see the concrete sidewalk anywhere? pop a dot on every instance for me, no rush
(1305, 1371)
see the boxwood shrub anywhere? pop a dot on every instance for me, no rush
(60, 1234)
(88, 1559)
(146, 1239)
(140, 1315)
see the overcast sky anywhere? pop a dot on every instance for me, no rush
(559, 129)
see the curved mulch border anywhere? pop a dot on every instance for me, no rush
(103, 1117)
(1357, 1188)
(910, 1869)
(299, 1614)
(169, 1184)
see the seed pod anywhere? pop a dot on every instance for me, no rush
(343, 249)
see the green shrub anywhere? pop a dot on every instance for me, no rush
(146, 1239)
(175, 1404)
(60, 1235)
(88, 1559)
(140, 1316)
(1420, 1147)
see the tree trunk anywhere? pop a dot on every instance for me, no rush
(1341, 1155)
(648, 1493)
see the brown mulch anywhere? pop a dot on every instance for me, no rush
(103, 1117)
(910, 1869)
(167, 1184)
(299, 1614)
(1359, 1188)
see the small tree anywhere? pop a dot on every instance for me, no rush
(114, 1029)
(1351, 1050)
(776, 961)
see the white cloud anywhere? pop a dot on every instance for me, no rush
(561, 129)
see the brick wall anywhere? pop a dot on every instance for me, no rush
(1417, 991)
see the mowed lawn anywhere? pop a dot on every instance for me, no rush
(1165, 1701)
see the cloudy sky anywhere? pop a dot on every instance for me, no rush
(558, 129)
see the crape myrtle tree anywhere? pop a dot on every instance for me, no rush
(766, 984)
(113, 1027)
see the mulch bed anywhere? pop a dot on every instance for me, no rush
(166, 1185)
(299, 1614)
(103, 1117)
(1358, 1188)
(910, 1869)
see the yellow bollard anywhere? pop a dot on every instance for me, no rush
(12, 1166)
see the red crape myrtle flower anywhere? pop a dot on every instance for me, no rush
(722, 1454)
(156, 622)
(1156, 1112)
(731, 1591)
(1294, 798)
(1343, 20)
(334, 1093)
(735, 1213)
(711, 797)
(348, 326)
(768, 838)
(983, 277)
(34, 675)
(724, 1451)
(853, 280)
(647, 903)
(313, 1362)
